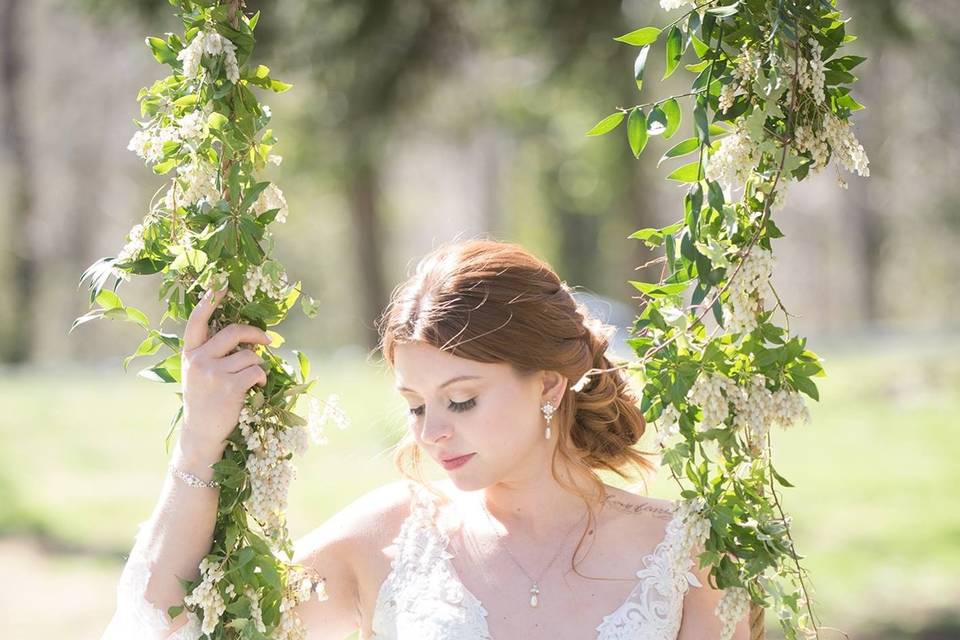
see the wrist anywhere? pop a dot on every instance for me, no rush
(195, 461)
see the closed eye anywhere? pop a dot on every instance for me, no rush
(456, 407)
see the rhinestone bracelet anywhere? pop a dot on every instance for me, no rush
(193, 480)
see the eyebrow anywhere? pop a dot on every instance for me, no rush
(450, 381)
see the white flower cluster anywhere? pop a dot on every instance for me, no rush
(256, 614)
(213, 44)
(845, 145)
(148, 143)
(669, 5)
(207, 595)
(812, 73)
(757, 408)
(668, 425)
(732, 163)
(317, 418)
(733, 606)
(693, 534)
(269, 277)
(746, 291)
(134, 244)
(269, 470)
(201, 180)
(836, 135)
(707, 393)
(272, 198)
(744, 73)
(300, 589)
(191, 127)
(754, 407)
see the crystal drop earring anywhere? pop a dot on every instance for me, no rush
(548, 411)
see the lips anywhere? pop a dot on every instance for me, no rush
(452, 458)
(455, 463)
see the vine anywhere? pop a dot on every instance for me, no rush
(772, 104)
(205, 128)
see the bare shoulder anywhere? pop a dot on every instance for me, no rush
(630, 503)
(338, 552)
(367, 519)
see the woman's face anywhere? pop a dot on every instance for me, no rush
(459, 407)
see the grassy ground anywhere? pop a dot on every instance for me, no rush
(876, 508)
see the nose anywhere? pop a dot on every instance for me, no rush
(434, 429)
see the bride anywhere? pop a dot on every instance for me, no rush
(523, 540)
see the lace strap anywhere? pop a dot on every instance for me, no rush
(137, 617)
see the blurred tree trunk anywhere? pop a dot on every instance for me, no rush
(363, 197)
(19, 342)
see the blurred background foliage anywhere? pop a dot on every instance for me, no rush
(413, 123)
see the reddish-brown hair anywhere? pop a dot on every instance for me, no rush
(495, 302)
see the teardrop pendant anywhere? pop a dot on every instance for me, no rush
(534, 595)
(546, 433)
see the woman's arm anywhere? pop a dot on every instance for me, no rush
(342, 550)
(700, 620)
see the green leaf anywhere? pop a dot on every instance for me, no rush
(656, 122)
(639, 65)
(687, 173)
(607, 125)
(674, 51)
(700, 122)
(640, 37)
(109, 300)
(216, 121)
(681, 149)
(674, 117)
(637, 131)
(304, 365)
(280, 87)
(725, 11)
(161, 50)
(651, 288)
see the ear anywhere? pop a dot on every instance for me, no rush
(554, 386)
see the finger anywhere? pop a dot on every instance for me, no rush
(195, 333)
(238, 361)
(227, 339)
(250, 376)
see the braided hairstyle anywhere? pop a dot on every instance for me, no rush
(494, 302)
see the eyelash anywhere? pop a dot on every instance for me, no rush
(456, 407)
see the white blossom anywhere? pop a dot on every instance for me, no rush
(272, 198)
(845, 145)
(669, 5)
(213, 44)
(667, 425)
(192, 126)
(269, 277)
(190, 56)
(734, 160)
(733, 606)
(707, 393)
(745, 294)
(201, 180)
(256, 614)
(131, 250)
(317, 417)
(207, 595)
(148, 143)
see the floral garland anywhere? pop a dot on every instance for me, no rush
(210, 230)
(771, 104)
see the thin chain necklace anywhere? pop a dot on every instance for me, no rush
(535, 586)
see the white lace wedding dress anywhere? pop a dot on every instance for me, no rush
(422, 597)
(136, 618)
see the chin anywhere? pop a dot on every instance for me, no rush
(466, 482)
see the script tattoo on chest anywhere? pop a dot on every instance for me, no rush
(655, 511)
